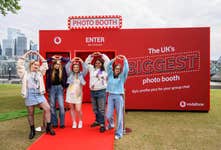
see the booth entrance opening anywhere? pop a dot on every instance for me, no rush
(63, 54)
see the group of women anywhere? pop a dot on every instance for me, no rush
(107, 78)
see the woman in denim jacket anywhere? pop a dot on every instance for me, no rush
(74, 92)
(33, 89)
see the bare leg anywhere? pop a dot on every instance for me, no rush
(78, 109)
(44, 121)
(72, 112)
(46, 108)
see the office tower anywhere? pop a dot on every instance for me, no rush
(219, 61)
(21, 45)
(7, 44)
(9, 52)
(13, 33)
(0, 49)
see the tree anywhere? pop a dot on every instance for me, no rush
(9, 6)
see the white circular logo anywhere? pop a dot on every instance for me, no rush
(57, 40)
(182, 104)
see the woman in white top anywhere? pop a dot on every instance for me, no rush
(97, 63)
(33, 89)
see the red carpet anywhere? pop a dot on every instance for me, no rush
(68, 138)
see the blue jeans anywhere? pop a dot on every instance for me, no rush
(98, 99)
(56, 93)
(115, 101)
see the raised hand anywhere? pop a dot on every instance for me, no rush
(121, 57)
(37, 53)
(56, 57)
(78, 59)
(96, 53)
(27, 53)
(75, 59)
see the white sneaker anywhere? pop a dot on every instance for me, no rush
(109, 127)
(80, 124)
(117, 137)
(38, 129)
(74, 125)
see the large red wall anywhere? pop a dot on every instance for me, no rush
(181, 54)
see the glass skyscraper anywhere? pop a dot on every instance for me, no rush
(21, 45)
(15, 44)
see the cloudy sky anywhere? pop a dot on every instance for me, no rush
(51, 14)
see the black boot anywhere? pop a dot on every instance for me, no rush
(49, 129)
(32, 132)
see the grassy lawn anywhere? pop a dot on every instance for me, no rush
(152, 130)
(174, 130)
(10, 98)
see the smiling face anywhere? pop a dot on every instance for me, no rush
(76, 68)
(34, 66)
(117, 70)
(57, 65)
(98, 64)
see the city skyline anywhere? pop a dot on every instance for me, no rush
(37, 15)
(16, 43)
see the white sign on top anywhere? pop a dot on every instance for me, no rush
(95, 22)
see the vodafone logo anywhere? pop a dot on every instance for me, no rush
(57, 40)
(182, 104)
(191, 104)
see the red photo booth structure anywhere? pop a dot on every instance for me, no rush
(168, 67)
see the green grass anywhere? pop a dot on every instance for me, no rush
(14, 133)
(16, 114)
(174, 130)
(10, 98)
(151, 130)
(11, 103)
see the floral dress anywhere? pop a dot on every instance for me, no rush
(74, 92)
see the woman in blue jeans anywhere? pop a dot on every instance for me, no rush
(117, 75)
(97, 64)
(56, 83)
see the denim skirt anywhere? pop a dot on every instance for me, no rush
(34, 97)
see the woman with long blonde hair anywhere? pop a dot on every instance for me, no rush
(33, 89)
(55, 84)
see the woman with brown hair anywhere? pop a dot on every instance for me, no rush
(97, 64)
(33, 89)
(117, 75)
